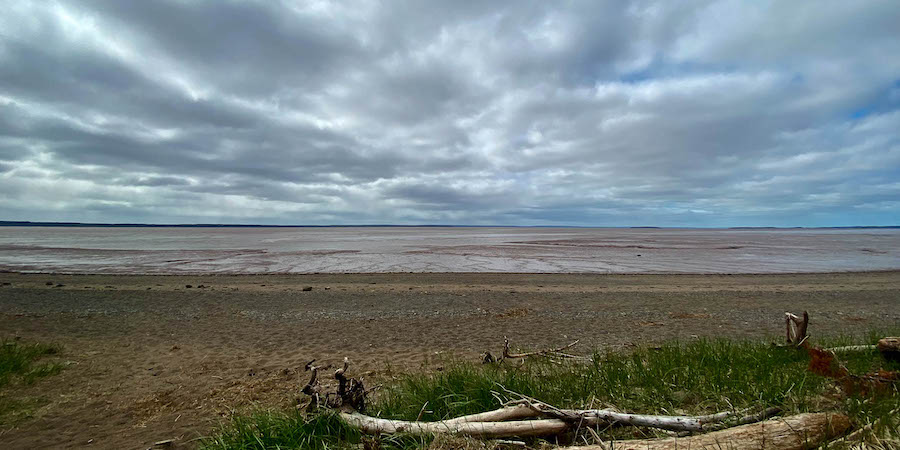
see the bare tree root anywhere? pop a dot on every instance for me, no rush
(552, 353)
(312, 387)
(350, 394)
(802, 431)
(549, 352)
(796, 328)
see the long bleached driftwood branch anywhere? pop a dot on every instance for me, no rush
(799, 432)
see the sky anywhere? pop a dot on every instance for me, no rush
(594, 113)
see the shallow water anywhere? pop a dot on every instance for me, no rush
(438, 249)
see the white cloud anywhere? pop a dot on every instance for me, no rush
(709, 113)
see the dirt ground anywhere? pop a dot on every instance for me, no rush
(151, 359)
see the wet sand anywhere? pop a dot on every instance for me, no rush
(154, 360)
(444, 249)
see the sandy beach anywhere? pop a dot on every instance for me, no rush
(152, 359)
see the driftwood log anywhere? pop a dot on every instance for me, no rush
(508, 422)
(528, 417)
(613, 417)
(515, 428)
(516, 412)
(803, 431)
(543, 419)
(890, 348)
(852, 348)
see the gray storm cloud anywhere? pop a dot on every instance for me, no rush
(521, 113)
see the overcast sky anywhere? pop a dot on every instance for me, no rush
(485, 112)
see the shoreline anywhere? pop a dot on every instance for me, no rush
(302, 274)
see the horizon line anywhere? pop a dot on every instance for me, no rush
(27, 223)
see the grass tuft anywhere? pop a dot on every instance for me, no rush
(17, 360)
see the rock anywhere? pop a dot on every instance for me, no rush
(307, 289)
(49, 283)
(188, 286)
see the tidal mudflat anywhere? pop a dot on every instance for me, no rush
(445, 249)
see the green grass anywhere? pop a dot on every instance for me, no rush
(695, 377)
(20, 363)
(275, 429)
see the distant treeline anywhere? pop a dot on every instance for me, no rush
(187, 225)
(7, 223)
